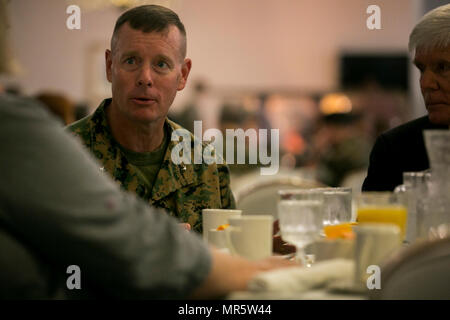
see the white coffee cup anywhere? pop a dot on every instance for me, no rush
(250, 236)
(374, 243)
(213, 218)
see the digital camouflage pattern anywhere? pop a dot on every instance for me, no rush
(184, 190)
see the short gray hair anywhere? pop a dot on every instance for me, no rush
(432, 31)
(149, 18)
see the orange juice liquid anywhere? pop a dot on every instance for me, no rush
(339, 231)
(390, 214)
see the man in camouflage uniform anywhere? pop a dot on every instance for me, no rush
(131, 134)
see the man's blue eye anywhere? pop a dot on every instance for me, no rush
(162, 65)
(129, 61)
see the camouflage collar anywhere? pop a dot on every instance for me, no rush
(170, 178)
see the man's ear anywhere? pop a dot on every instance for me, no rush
(185, 69)
(108, 62)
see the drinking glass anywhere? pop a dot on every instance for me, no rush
(337, 205)
(382, 207)
(300, 223)
(414, 192)
(437, 143)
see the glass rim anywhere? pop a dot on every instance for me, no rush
(312, 190)
(301, 201)
(337, 191)
(382, 195)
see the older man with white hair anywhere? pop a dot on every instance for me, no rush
(402, 149)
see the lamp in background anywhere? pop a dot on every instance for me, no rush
(335, 103)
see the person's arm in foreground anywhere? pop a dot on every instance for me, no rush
(54, 195)
(233, 273)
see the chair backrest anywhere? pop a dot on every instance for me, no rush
(421, 271)
(261, 196)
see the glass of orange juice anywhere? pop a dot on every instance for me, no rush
(382, 207)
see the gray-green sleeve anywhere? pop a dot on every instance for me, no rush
(53, 194)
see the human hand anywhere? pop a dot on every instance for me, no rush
(274, 262)
(229, 273)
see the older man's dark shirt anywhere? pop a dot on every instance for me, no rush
(398, 150)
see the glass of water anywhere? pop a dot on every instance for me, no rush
(337, 202)
(301, 222)
(337, 205)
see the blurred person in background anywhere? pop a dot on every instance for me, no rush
(402, 149)
(131, 134)
(57, 209)
(202, 104)
(59, 105)
(295, 117)
(190, 112)
(383, 108)
(341, 147)
(234, 116)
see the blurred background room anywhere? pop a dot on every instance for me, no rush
(311, 69)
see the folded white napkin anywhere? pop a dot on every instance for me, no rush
(321, 274)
